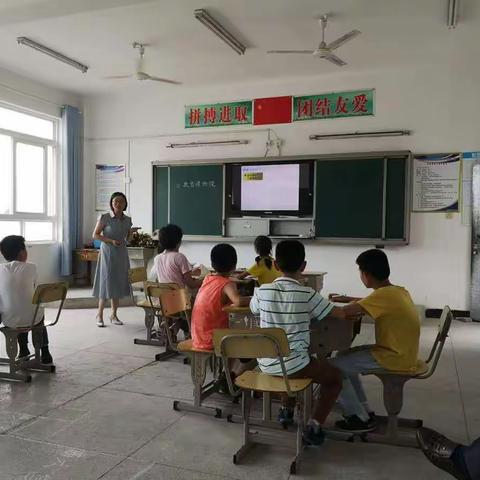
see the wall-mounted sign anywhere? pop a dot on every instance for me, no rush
(108, 179)
(436, 182)
(334, 105)
(218, 114)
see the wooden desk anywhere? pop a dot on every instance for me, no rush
(90, 255)
(314, 279)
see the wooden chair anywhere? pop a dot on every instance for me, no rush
(139, 276)
(18, 369)
(199, 360)
(393, 383)
(265, 343)
(174, 305)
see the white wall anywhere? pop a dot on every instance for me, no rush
(438, 103)
(26, 93)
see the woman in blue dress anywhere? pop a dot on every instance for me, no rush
(113, 229)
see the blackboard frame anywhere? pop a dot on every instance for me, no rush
(402, 154)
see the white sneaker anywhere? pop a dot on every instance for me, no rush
(100, 322)
(115, 320)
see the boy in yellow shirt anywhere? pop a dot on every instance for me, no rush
(397, 335)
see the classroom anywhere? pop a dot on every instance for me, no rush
(239, 238)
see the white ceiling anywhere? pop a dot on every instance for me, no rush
(99, 34)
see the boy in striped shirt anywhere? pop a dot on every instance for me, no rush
(289, 305)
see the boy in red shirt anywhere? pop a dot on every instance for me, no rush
(217, 291)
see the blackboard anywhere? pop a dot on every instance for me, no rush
(160, 197)
(361, 198)
(196, 199)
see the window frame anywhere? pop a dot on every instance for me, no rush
(49, 177)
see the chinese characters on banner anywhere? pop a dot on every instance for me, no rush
(353, 103)
(197, 184)
(218, 114)
(333, 105)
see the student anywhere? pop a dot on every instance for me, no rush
(217, 290)
(397, 334)
(17, 285)
(171, 266)
(289, 305)
(264, 267)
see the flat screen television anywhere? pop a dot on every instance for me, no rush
(270, 189)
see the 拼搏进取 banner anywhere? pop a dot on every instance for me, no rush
(218, 114)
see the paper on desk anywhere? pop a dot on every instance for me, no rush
(204, 271)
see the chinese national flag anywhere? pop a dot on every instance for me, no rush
(272, 110)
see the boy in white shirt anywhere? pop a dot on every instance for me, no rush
(18, 280)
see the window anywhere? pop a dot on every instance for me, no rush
(28, 175)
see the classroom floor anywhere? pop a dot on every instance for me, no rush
(107, 414)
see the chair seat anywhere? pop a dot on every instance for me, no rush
(262, 382)
(187, 346)
(146, 304)
(420, 368)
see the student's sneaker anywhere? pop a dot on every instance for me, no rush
(354, 424)
(285, 416)
(313, 436)
(23, 354)
(46, 358)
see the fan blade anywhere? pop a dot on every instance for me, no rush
(343, 39)
(117, 77)
(334, 59)
(310, 52)
(164, 80)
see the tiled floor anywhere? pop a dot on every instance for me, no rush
(107, 414)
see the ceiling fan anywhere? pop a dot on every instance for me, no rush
(140, 73)
(325, 50)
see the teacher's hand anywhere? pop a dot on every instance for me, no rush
(116, 243)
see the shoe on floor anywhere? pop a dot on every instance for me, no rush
(439, 449)
(100, 322)
(354, 424)
(285, 416)
(313, 436)
(23, 354)
(46, 358)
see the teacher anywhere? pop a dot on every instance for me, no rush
(113, 229)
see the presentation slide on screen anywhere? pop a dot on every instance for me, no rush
(270, 187)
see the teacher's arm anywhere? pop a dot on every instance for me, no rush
(98, 234)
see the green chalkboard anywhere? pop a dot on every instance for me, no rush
(160, 197)
(349, 198)
(196, 199)
(395, 198)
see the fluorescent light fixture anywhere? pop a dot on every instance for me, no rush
(220, 143)
(204, 17)
(452, 13)
(341, 136)
(52, 53)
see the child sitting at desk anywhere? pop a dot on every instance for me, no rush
(217, 291)
(17, 285)
(264, 267)
(171, 266)
(289, 305)
(397, 334)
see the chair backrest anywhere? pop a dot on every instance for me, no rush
(437, 348)
(252, 343)
(47, 293)
(154, 290)
(174, 301)
(137, 275)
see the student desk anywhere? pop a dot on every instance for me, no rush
(314, 279)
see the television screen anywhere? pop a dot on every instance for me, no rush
(270, 189)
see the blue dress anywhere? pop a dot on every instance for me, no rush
(111, 276)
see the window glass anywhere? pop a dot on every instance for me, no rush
(29, 178)
(28, 124)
